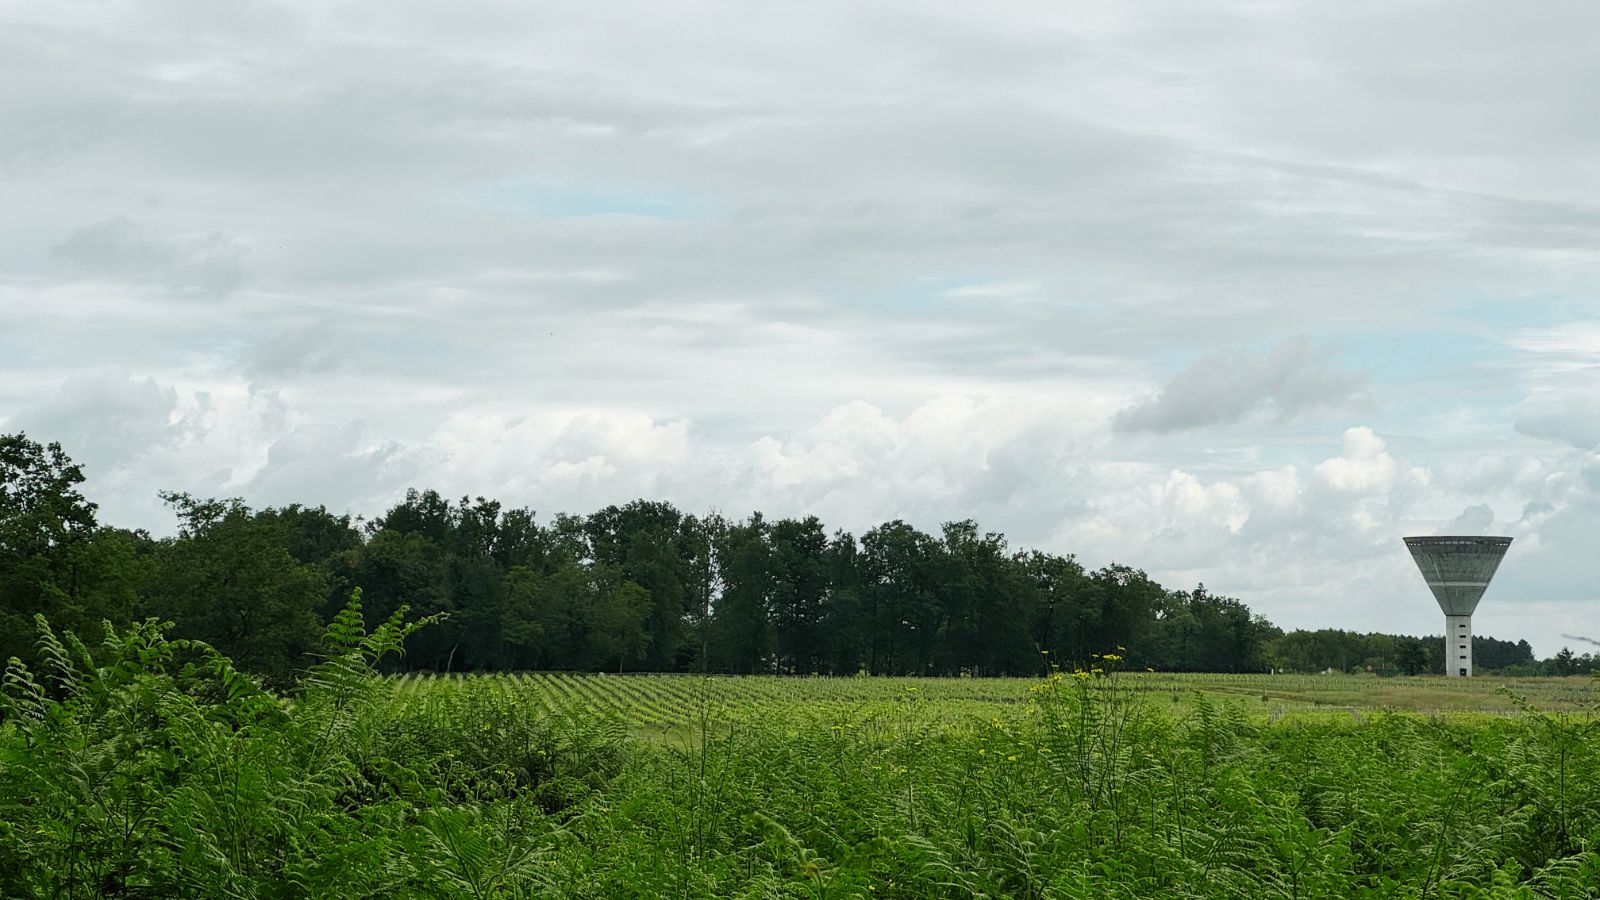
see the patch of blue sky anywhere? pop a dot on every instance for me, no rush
(1454, 377)
(1492, 315)
(918, 294)
(1473, 334)
(1420, 354)
(1459, 369)
(563, 200)
(970, 290)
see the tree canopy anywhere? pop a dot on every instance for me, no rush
(642, 586)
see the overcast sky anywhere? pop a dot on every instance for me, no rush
(1234, 292)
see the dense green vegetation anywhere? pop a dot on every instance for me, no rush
(150, 767)
(638, 587)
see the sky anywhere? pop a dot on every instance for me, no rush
(1238, 293)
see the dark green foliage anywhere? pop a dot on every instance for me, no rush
(740, 631)
(1199, 632)
(800, 593)
(1388, 654)
(229, 580)
(45, 529)
(476, 743)
(656, 547)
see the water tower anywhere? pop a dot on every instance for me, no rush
(1458, 569)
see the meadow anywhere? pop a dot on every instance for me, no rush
(150, 767)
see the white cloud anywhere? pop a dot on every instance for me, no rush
(1363, 467)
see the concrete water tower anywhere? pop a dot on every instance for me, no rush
(1458, 569)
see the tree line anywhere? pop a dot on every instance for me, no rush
(642, 586)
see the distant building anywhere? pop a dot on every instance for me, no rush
(1458, 569)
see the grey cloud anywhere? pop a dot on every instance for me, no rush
(298, 351)
(1570, 416)
(38, 138)
(329, 463)
(1292, 378)
(106, 419)
(53, 101)
(1475, 519)
(122, 248)
(1536, 508)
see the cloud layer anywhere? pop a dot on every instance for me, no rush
(1291, 379)
(1236, 292)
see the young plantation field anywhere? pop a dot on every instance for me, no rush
(674, 705)
(149, 767)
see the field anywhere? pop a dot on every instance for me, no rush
(668, 705)
(155, 770)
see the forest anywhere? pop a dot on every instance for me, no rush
(638, 587)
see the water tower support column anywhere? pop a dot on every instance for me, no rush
(1458, 646)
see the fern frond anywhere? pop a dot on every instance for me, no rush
(55, 655)
(21, 692)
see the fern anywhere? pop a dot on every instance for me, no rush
(22, 694)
